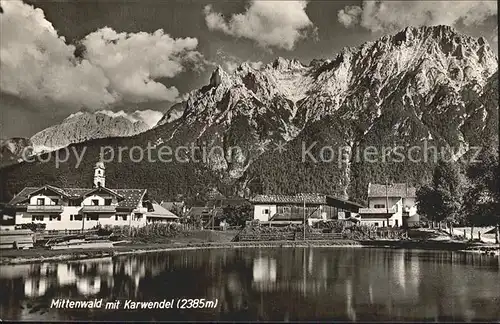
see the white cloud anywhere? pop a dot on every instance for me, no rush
(150, 117)
(256, 65)
(132, 62)
(387, 16)
(37, 64)
(349, 16)
(231, 66)
(269, 23)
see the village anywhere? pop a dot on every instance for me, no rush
(101, 218)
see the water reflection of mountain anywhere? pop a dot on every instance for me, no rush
(268, 284)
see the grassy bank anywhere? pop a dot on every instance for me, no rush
(164, 238)
(43, 255)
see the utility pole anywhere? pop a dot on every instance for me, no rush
(387, 199)
(130, 224)
(304, 218)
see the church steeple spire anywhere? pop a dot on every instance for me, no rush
(99, 177)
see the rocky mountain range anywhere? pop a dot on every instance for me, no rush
(428, 85)
(80, 127)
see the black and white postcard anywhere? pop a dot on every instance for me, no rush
(249, 160)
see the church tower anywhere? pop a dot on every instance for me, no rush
(99, 177)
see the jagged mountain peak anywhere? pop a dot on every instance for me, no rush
(87, 125)
(422, 83)
(435, 54)
(281, 63)
(217, 77)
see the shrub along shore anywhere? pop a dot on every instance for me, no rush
(167, 237)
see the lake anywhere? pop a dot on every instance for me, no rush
(281, 284)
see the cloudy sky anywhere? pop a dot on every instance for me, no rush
(59, 57)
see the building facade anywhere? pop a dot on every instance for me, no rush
(76, 209)
(312, 207)
(391, 205)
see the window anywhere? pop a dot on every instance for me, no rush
(124, 217)
(265, 211)
(95, 202)
(54, 217)
(37, 218)
(379, 206)
(287, 210)
(74, 203)
(56, 201)
(107, 202)
(116, 217)
(93, 217)
(376, 224)
(77, 217)
(40, 201)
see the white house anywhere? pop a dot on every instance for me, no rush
(160, 214)
(390, 205)
(293, 209)
(76, 209)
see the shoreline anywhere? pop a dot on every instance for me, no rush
(42, 255)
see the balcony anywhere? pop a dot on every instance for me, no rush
(45, 209)
(377, 211)
(140, 210)
(98, 209)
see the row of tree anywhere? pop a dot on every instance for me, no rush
(467, 195)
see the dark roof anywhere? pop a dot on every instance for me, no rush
(51, 188)
(392, 190)
(113, 192)
(160, 212)
(131, 197)
(170, 204)
(311, 199)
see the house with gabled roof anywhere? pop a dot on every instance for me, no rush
(76, 209)
(390, 205)
(294, 208)
(160, 214)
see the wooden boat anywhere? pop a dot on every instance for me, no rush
(16, 239)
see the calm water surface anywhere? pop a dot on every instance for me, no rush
(286, 284)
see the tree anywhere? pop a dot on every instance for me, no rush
(482, 198)
(441, 200)
(237, 215)
(426, 201)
